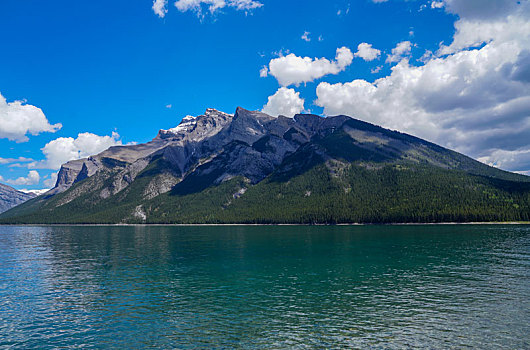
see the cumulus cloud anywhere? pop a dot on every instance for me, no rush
(292, 69)
(18, 119)
(482, 28)
(367, 52)
(305, 36)
(401, 51)
(215, 5)
(472, 99)
(160, 8)
(64, 149)
(285, 102)
(33, 178)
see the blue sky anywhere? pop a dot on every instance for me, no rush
(116, 66)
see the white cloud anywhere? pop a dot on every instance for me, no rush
(64, 149)
(215, 5)
(15, 160)
(35, 192)
(367, 52)
(160, 8)
(482, 9)
(401, 51)
(196, 5)
(285, 102)
(514, 27)
(306, 37)
(376, 69)
(33, 178)
(437, 4)
(426, 57)
(510, 160)
(474, 100)
(264, 72)
(292, 69)
(50, 181)
(18, 119)
(245, 5)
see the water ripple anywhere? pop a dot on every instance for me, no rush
(434, 287)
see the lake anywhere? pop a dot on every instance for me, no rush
(428, 286)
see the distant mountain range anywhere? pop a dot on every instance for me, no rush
(254, 168)
(9, 197)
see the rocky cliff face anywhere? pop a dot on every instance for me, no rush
(9, 197)
(181, 145)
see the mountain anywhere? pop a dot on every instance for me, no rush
(9, 197)
(36, 192)
(254, 168)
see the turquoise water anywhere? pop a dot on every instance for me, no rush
(265, 287)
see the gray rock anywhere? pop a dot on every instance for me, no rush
(216, 146)
(9, 197)
(200, 140)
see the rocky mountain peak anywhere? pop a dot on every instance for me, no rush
(187, 119)
(215, 112)
(242, 113)
(189, 123)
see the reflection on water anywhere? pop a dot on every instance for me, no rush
(265, 287)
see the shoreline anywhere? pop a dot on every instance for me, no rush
(234, 224)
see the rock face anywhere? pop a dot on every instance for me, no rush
(180, 145)
(9, 197)
(248, 143)
(125, 183)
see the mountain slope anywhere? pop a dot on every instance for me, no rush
(254, 168)
(9, 197)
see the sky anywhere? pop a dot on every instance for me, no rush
(79, 77)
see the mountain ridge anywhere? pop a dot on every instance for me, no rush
(10, 197)
(251, 151)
